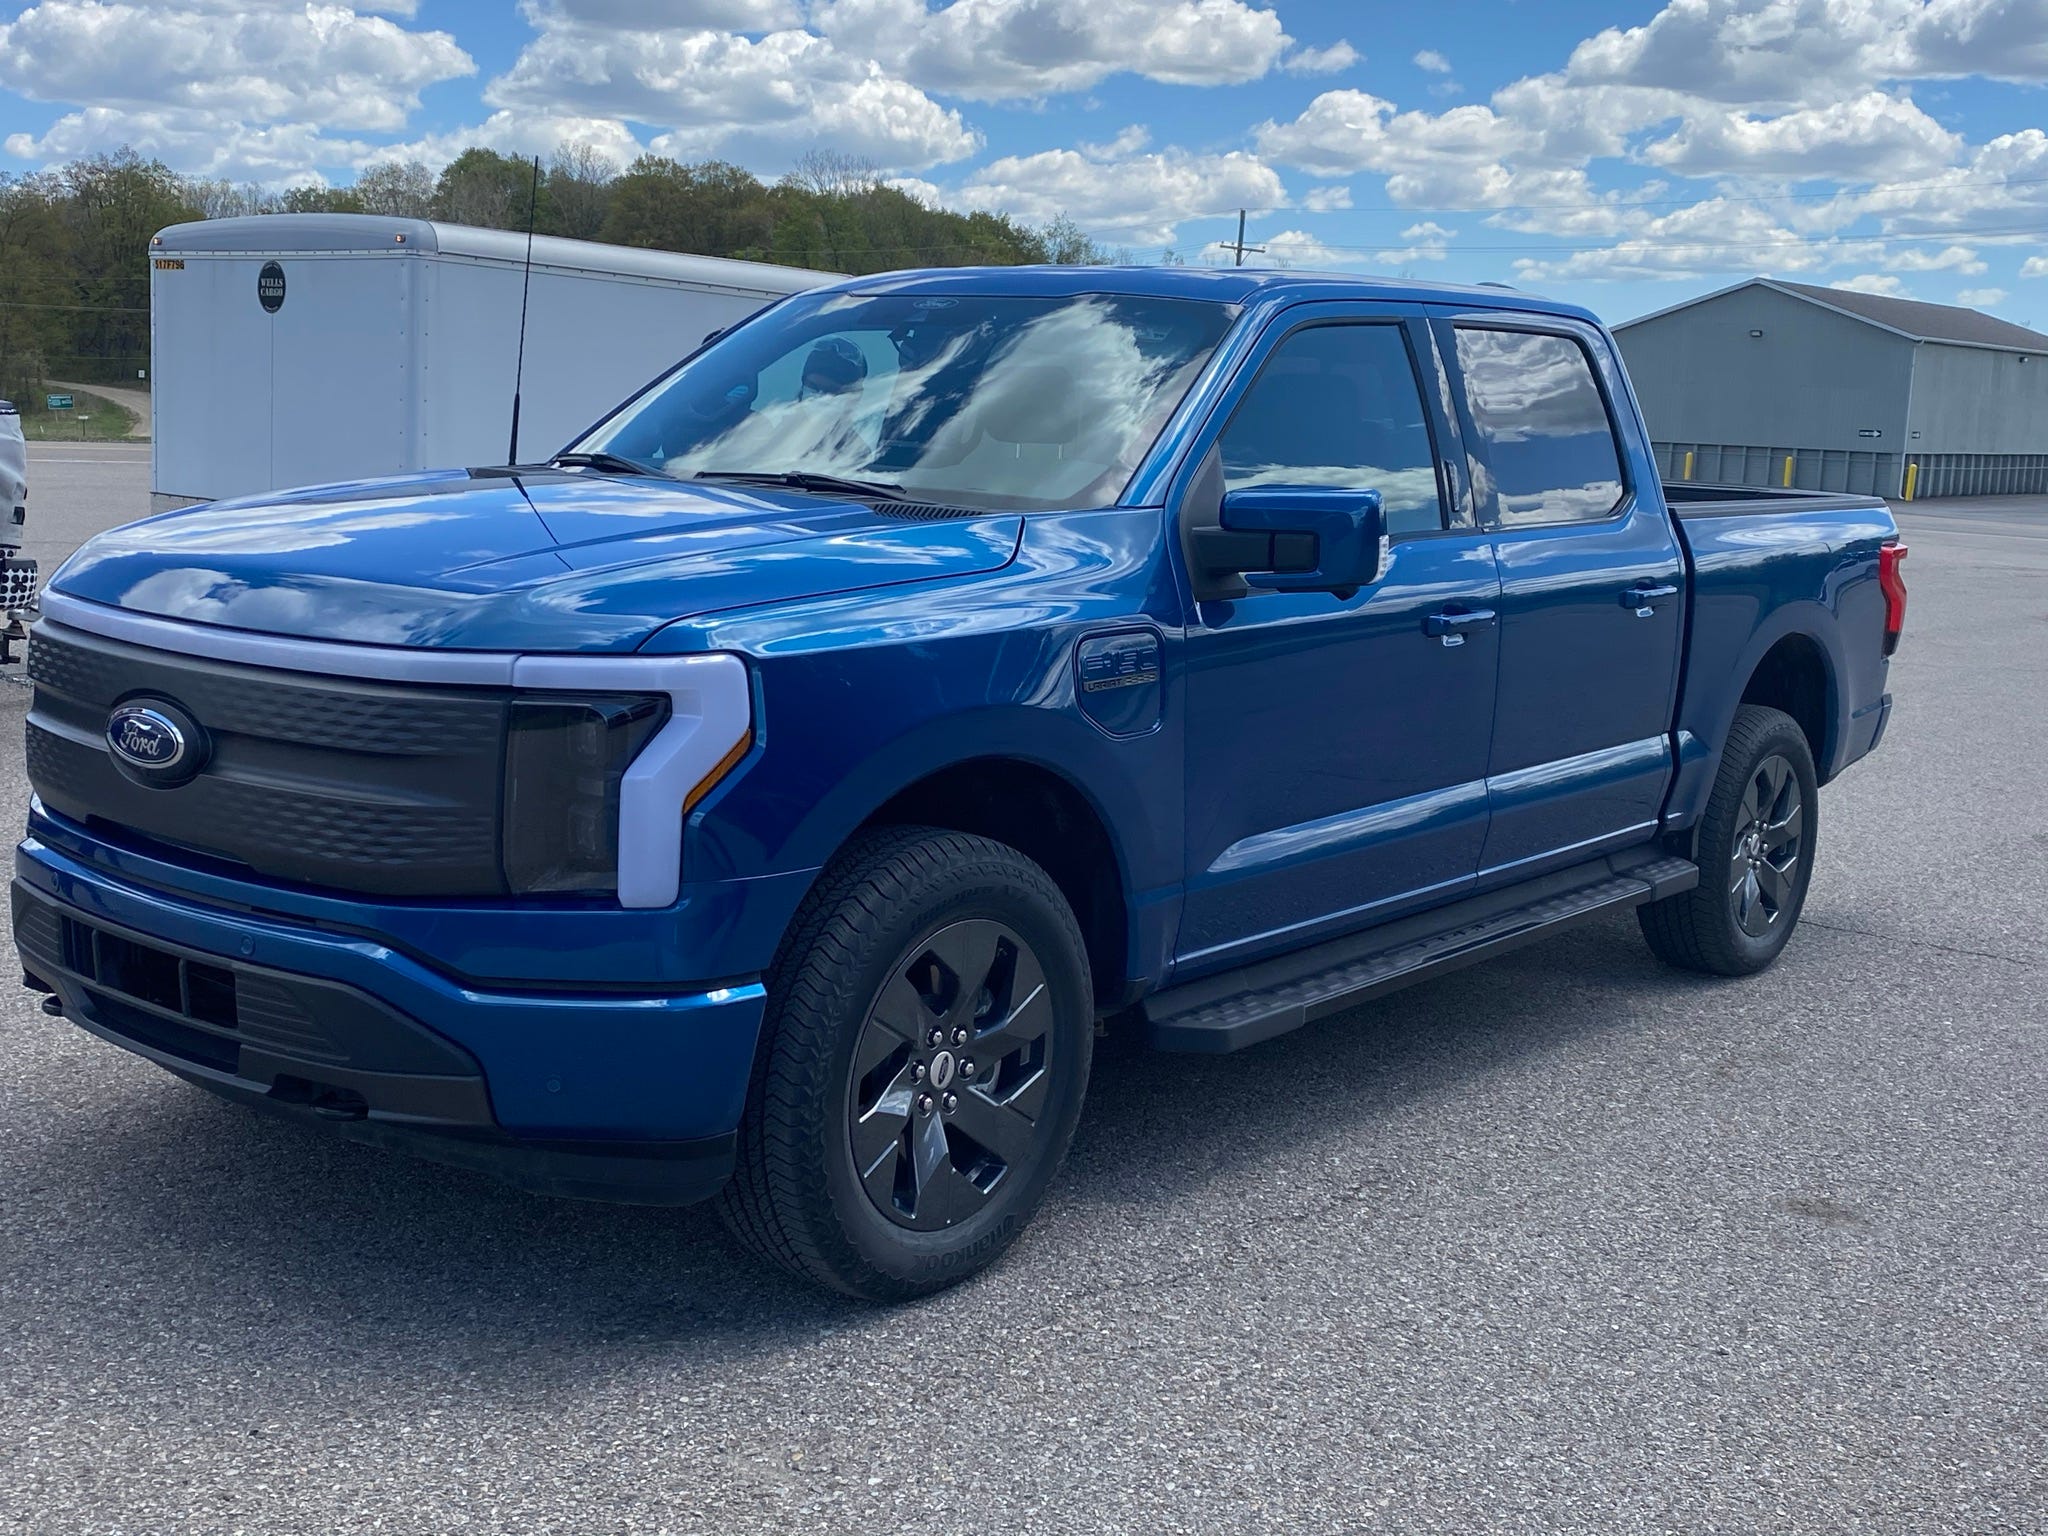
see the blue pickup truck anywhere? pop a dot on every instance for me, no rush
(772, 796)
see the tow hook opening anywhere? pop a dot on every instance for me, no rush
(328, 1102)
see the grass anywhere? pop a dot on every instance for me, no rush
(91, 419)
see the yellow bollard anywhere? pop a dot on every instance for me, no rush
(1688, 467)
(1788, 471)
(1912, 477)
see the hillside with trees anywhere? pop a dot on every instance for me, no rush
(74, 273)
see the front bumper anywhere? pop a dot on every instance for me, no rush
(592, 1094)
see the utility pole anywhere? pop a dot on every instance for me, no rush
(1238, 244)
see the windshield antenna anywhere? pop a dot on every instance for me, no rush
(525, 287)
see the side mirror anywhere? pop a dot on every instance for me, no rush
(1295, 538)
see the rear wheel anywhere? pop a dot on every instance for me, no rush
(921, 1068)
(1755, 854)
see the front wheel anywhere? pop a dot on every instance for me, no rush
(921, 1069)
(1755, 854)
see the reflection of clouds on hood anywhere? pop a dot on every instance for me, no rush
(332, 611)
(265, 530)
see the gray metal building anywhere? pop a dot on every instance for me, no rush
(1774, 383)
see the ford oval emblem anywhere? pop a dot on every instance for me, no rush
(148, 738)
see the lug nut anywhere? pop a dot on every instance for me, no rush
(924, 1103)
(966, 1067)
(950, 1103)
(936, 1037)
(917, 1071)
(960, 1035)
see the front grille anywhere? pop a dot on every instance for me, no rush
(334, 782)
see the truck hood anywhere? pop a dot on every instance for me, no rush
(556, 560)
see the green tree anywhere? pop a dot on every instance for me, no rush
(34, 254)
(483, 187)
(712, 209)
(400, 188)
(579, 191)
(112, 205)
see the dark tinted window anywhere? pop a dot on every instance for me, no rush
(1542, 426)
(1338, 405)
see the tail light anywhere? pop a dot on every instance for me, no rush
(1891, 580)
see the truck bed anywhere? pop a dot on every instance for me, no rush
(1694, 499)
(1764, 565)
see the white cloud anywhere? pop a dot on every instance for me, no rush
(1808, 52)
(2034, 266)
(200, 143)
(721, 93)
(1881, 283)
(1139, 200)
(1129, 141)
(1982, 298)
(1339, 55)
(1298, 248)
(518, 133)
(1951, 258)
(996, 50)
(1432, 61)
(918, 190)
(1326, 199)
(678, 15)
(178, 65)
(1842, 139)
(1427, 241)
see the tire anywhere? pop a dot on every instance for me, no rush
(1754, 870)
(872, 1157)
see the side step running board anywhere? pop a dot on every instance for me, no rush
(1242, 1007)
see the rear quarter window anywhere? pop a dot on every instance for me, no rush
(1543, 426)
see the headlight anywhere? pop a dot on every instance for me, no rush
(598, 783)
(564, 760)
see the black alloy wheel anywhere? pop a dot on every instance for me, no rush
(1755, 853)
(948, 1089)
(1763, 870)
(922, 1062)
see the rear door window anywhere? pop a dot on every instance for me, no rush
(1542, 425)
(1340, 406)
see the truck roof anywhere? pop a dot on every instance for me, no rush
(378, 234)
(1227, 285)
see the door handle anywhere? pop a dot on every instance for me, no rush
(1452, 626)
(1647, 596)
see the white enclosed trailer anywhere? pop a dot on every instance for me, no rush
(295, 349)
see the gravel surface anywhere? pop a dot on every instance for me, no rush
(1563, 1243)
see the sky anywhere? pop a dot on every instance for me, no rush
(1625, 156)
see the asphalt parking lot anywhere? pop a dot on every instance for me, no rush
(1565, 1243)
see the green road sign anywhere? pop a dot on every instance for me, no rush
(57, 402)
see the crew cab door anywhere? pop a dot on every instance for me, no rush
(1337, 740)
(1592, 596)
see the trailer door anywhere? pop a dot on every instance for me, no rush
(342, 395)
(210, 366)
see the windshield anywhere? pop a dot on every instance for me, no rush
(970, 400)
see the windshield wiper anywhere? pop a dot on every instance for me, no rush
(805, 480)
(617, 463)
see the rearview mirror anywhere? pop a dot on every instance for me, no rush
(1296, 538)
